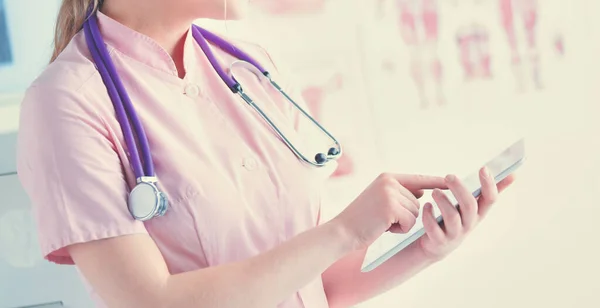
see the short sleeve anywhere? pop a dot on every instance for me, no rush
(71, 172)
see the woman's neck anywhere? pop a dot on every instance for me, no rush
(156, 19)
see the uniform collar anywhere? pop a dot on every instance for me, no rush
(144, 49)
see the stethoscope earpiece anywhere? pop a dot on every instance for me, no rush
(321, 158)
(333, 152)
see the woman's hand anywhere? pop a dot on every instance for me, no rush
(441, 240)
(388, 204)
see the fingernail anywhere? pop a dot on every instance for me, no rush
(450, 178)
(428, 207)
(486, 172)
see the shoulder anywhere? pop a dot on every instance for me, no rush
(65, 105)
(71, 73)
(70, 85)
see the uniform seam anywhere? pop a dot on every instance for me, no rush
(189, 195)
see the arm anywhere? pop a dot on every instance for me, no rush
(345, 285)
(70, 169)
(125, 280)
(129, 271)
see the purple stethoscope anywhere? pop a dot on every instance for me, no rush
(145, 200)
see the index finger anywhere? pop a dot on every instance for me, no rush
(416, 182)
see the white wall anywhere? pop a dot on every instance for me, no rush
(538, 248)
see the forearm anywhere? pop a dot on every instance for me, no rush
(345, 285)
(265, 280)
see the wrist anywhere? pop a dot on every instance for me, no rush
(345, 240)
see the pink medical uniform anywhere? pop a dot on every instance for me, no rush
(235, 189)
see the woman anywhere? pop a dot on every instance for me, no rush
(243, 228)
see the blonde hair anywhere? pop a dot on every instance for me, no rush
(71, 16)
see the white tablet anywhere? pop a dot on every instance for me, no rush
(390, 244)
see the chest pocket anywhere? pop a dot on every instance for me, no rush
(247, 212)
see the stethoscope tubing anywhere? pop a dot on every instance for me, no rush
(139, 152)
(143, 166)
(124, 108)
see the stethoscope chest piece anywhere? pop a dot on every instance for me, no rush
(146, 201)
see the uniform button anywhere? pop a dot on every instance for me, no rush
(192, 90)
(250, 163)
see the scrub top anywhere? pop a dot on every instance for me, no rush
(234, 187)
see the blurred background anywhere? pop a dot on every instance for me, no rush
(409, 86)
